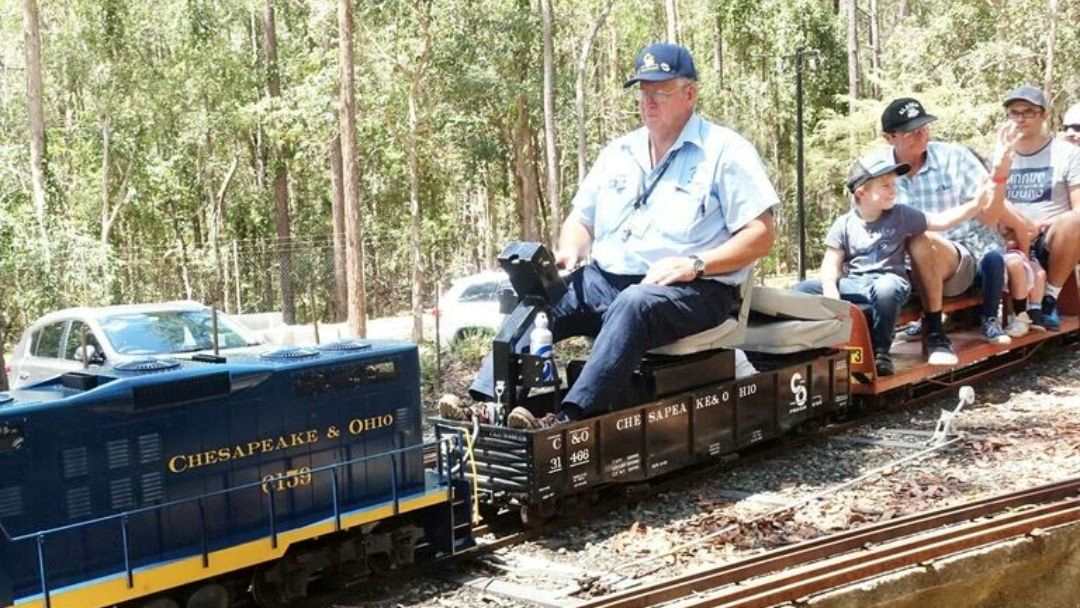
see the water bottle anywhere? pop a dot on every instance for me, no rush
(540, 346)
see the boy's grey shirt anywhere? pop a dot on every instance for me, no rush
(875, 247)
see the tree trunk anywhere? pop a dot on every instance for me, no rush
(853, 53)
(875, 47)
(525, 172)
(672, 21)
(281, 175)
(221, 290)
(579, 88)
(354, 253)
(903, 10)
(416, 80)
(718, 48)
(337, 187)
(487, 200)
(258, 143)
(3, 343)
(1051, 41)
(551, 151)
(106, 174)
(416, 219)
(36, 107)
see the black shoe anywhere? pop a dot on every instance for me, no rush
(883, 364)
(1036, 316)
(1051, 320)
(939, 350)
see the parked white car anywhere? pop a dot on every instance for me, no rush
(471, 306)
(113, 334)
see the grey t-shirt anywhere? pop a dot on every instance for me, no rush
(875, 247)
(1039, 183)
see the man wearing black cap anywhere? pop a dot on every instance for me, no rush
(1070, 125)
(673, 216)
(944, 176)
(1044, 187)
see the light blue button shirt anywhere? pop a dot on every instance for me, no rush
(714, 184)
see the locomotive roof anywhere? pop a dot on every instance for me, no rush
(113, 383)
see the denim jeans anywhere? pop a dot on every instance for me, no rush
(990, 279)
(627, 319)
(880, 295)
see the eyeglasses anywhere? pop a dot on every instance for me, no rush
(1025, 114)
(658, 96)
(1072, 128)
(923, 130)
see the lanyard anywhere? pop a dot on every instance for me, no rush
(643, 199)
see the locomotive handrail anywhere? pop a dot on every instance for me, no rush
(123, 517)
(254, 484)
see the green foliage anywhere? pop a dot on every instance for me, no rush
(180, 88)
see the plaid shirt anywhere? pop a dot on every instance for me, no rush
(950, 177)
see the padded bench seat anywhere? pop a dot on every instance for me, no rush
(783, 321)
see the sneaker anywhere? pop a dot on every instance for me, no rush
(883, 364)
(522, 418)
(1051, 320)
(911, 333)
(992, 332)
(1035, 320)
(940, 350)
(1019, 325)
(452, 408)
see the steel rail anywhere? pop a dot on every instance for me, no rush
(910, 552)
(831, 546)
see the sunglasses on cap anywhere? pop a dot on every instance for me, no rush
(1071, 128)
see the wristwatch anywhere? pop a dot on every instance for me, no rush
(699, 266)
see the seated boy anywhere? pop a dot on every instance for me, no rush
(1027, 284)
(869, 240)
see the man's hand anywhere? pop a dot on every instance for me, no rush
(1007, 136)
(670, 270)
(567, 259)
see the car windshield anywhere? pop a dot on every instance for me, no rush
(483, 292)
(169, 331)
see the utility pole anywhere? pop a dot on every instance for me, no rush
(800, 168)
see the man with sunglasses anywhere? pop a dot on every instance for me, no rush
(1044, 188)
(1070, 126)
(673, 215)
(944, 176)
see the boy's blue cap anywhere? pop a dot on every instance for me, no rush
(869, 167)
(662, 61)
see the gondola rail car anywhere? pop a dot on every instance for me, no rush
(685, 404)
(182, 483)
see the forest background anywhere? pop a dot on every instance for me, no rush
(192, 149)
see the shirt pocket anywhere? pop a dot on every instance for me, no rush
(947, 194)
(684, 211)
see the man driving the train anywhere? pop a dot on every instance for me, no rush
(671, 218)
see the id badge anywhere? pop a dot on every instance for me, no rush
(637, 226)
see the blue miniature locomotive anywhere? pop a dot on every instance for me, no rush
(166, 479)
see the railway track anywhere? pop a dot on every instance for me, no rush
(505, 531)
(793, 573)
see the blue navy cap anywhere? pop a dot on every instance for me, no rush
(662, 61)
(871, 166)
